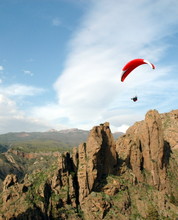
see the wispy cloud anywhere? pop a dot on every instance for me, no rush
(20, 90)
(1, 72)
(110, 35)
(56, 22)
(1, 68)
(12, 119)
(28, 72)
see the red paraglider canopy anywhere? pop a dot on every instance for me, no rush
(132, 65)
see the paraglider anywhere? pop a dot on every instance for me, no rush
(130, 66)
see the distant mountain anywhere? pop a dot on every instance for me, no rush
(70, 137)
(64, 138)
(117, 134)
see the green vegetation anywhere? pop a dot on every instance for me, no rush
(38, 178)
(38, 182)
(69, 138)
(40, 146)
(152, 213)
(173, 177)
(124, 180)
(37, 142)
(166, 121)
(1, 201)
(173, 199)
(55, 197)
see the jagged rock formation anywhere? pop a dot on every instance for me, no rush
(20, 163)
(143, 148)
(10, 164)
(97, 158)
(170, 126)
(131, 178)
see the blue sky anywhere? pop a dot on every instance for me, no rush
(60, 62)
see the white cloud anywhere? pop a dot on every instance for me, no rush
(1, 68)
(20, 90)
(123, 128)
(50, 111)
(28, 72)
(13, 119)
(7, 106)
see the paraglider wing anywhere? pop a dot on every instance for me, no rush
(132, 65)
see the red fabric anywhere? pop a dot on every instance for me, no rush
(131, 66)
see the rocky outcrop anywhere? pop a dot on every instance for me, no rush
(10, 165)
(143, 150)
(103, 178)
(97, 158)
(10, 180)
(12, 192)
(170, 126)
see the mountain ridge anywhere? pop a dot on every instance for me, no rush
(50, 134)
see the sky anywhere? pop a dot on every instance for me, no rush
(61, 60)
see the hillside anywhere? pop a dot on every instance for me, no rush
(24, 152)
(70, 137)
(133, 177)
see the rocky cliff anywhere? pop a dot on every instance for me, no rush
(132, 178)
(143, 149)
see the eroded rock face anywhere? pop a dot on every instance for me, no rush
(12, 191)
(97, 159)
(170, 126)
(10, 180)
(64, 181)
(142, 148)
(95, 207)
